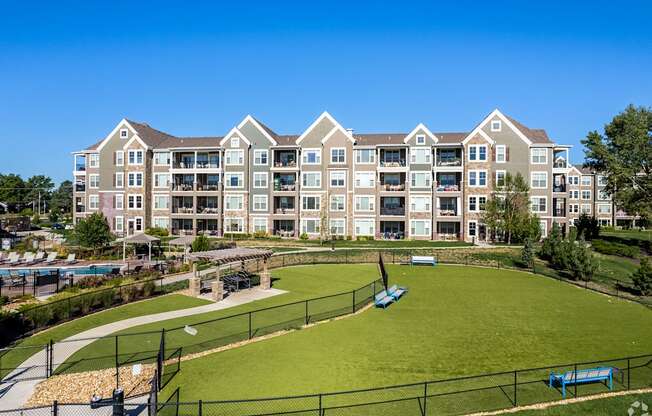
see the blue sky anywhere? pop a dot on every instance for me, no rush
(69, 71)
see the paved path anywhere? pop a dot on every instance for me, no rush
(14, 394)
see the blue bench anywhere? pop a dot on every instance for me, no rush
(383, 299)
(590, 375)
(429, 260)
(396, 292)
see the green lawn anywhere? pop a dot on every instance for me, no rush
(602, 407)
(633, 234)
(59, 332)
(454, 321)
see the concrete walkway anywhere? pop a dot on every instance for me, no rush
(14, 394)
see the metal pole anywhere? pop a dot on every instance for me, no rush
(307, 318)
(117, 364)
(51, 358)
(575, 379)
(628, 372)
(515, 388)
(55, 408)
(249, 325)
(425, 398)
(200, 410)
(320, 405)
(353, 297)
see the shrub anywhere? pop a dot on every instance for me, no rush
(614, 248)
(129, 293)
(642, 277)
(39, 316)
(201, 243)
(303, 236)
(148, 289)
(587, 227)
(4, 300)
(260, 234)
(157, 232)
(527, 254)
(91, 281)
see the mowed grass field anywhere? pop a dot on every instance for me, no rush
(602, 407)
(455, 321)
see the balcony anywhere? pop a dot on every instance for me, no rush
(183, 160)
(182, 187)
(80, 168)
(183, 210)
(80, 187)
(207, 227)
(285, 159)
(284, 228)
(208, 160)
(80, 208)
(182, 226)
(393, 158)
(448, 182)
(208, 183)
(449, 157)
(392, 230)
(183, 205)
(285, 182)
(559, 207)
(392, 211)
(392, 206)
(559, 183)
(207, 205)
(560, 158)
(394, 182)
(284, 205)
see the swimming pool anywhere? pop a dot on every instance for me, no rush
(66, 270)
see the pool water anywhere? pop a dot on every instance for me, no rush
(64, 271)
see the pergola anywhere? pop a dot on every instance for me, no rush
(184, 241)
(225, 256)
(141, 238)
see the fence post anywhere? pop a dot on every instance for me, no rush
(425, 398)
(117, 364)
(628, 372)
(250, 325)
(55, 408)
(515, 388)
(34, 283)
(320, 405)
(200, 408)
(50, 358)
(353, 305)
(575, 379)
(307, 318)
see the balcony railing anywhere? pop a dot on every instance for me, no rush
(448, 188)
(80, 187)
(392, 235)
(559, 212)
(448, 212)
(395, 188)
(449, 161)
(393, 163)
(560, 164)
(183, 164)
(181, 231)
(207, 187)
(182, 187)
(287, 187)
(208, 210)
(559, 188)
(392, 211)
(80, 168)
(284, 210)
(284, 233)
(80, 208)
(285, 164)
(183, 210)
(207, 165)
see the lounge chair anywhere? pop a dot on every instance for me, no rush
(13, 259)
(396, 292)
(28, 258)
(40, 256)
(383, 299)
(2, 257)
(71, 258)
(52, 258)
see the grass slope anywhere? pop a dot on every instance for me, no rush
(455, 321)
(602, 407)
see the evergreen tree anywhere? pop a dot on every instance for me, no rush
(642, 277)
(61, 199)
(527, 254)
(93, 231)
(201, 243)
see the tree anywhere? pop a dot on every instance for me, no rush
(93, 231)
(39, 188)
(580, 261)
(61, 199)
(624, 155)
(551, 244)
(527, 254)
(54, 216)
(642, 277)
(507, 212)
(587, 227)
(201, 243)
(12, 191)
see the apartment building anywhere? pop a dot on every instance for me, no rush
(328, 180)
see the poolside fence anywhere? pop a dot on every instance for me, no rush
(443, 397)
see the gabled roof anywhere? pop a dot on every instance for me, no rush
(178, 142)
(450, 138)
(584, 170)
(371, 139)
(423, 128)
(535, 135)
(149, 135)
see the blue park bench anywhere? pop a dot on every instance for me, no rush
(396, 292)
(383, 299)
(590, 375)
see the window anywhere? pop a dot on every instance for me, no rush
(233, 202)
(94, 160)
(119, 158)
(539, 180)
(135, 157)
(161, 222)
(365, 227)
(477, 178)
(420, 203)
(421, 139)
(472, 228)
(310, 226)
(260, 224)
(135, 201)
(118, 224)
(543, 226)
(93, 202)
(365, 203)
(260, 202)
(161, 180)
(260, 179)
(573, 180)
(477, 203)
(234, 157)
(124, 133)
(337, 202)
(500, 177)
(420, 179)
(260, 157)
(478, 153)
(310, 203)
(135, 179)
(235, 142)
(496, 125)
(586, 195)
(586, 209)
(420, 156)
(338, 179)
(234, 225)
(138, 224)
(311, 179)
(312, 157)
(501, 153)
(337, 226)
(602, 180)
(538, 204)
(586, 180)
(119, 181)
(93, 181)
(119, 201)
(338, 155)
(233, 180)
(161, 202)
(573, 208)
(365, 156)
(604, 208)
(539, 156)
(574, 194)
(162, 158)
(365, 179)
(603, 195)
(420, 228)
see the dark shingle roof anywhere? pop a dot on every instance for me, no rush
(371, 139)
(451, 138)
(149, 135)
(176, 142)
(535, 135)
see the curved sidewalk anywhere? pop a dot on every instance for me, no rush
(14, 394)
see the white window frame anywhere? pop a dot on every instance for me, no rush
(259, 175)
(543, 226)
(421, 139)
(342, 225)
(534, 150)
(477, 148)
(155, 199)
(371, 204)
(372, 159)
(136, 197)
(608, 212)
(227, 182)
(337, 172)
(258, 156)
(533, 205)
(230, 220)
(158, 225)
(97, 181)
(235, 142)
(228, 198)
(157, 155)
(533, 174)
(257, 227)
(137, 154)
(317, 199)
(585, 209)
(158, 175)
(304, 228)
(124, 133)
(477, 178)
(504, 173)
(135, 175)
(367, 221)
(304, 156)
(337, 197)
(475, 228)
(427, 227)
(583, 192)
(120, 184)
(119, 158)
(260, 198)
(574, 194)
(427, 206)
(138, 220)
(119, 201)
(589, 180)
(119, 220)
(93, 202)
(496, 125)
(501, 149)
(574, 180)
(94, 160)
(418, 150)
(338, 149)
(476, 202)
(366, 174)
(428, 176)
(318, 182)
(229, 156)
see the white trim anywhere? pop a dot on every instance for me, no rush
(303, 221)
(355, 155)
(121, 175)
(253, 203)
(122, 223)
(491, 116)
(504, 172)
(122, 123)
(330, 226)
(497, 129)
(163, 152)
(237, 132)
(330, 179)
(330, 159)
(425, 129)
(532, 179)
(135, 175)
(372, 203)
(364, 172)
(532, 149)
(477, 171)
(167, 196)
(136, 151)
(477, 153)
(428, 226)
(241, 174)
(327, 116)
(155, 174)
(142, 202)
(122, 153)
(234, 150)
(477, 203)
(468, 228)
(311, 173)
(122, 201)
(426, 149)
(253, 185)
(311, 149)
(96, 198)
(337, 196)
(426, 197)
(532, 198)
(317, 198)
(234, 195)
(261, 151)
(135, 138)
(90, 176)
(504, 149)
(258, 217)
(256, 124)
(158, 217)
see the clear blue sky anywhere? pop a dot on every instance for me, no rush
(70, 71)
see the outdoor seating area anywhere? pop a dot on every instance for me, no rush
(591, 375)
(28, 258)
(423, 260)
(389, 296)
